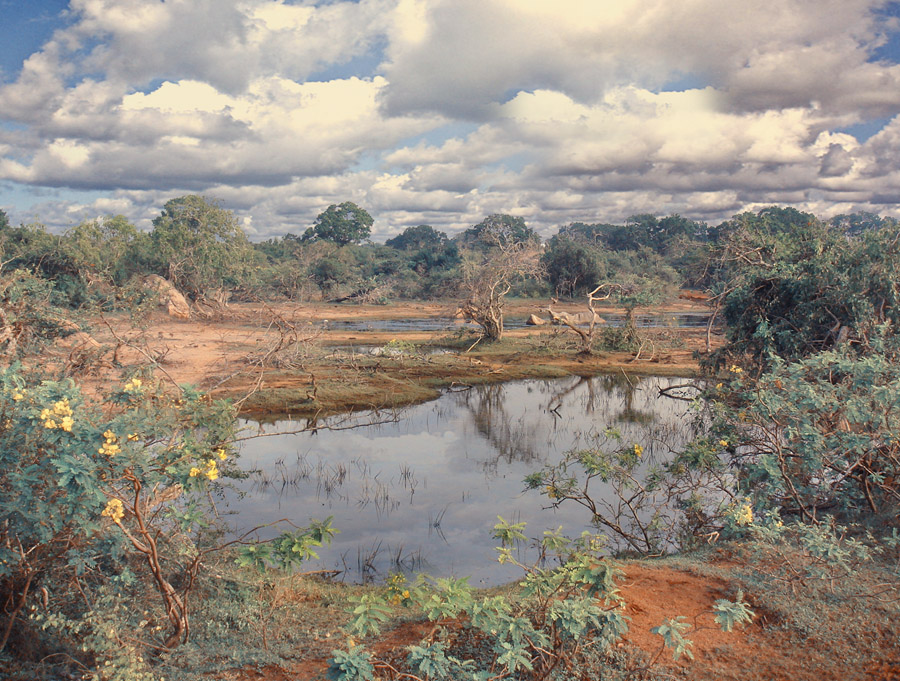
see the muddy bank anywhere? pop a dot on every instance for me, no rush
(290, 358)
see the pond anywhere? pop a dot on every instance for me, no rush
(668, 320)
(422, 491)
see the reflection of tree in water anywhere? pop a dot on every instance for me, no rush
(598, 392)
(621, 402)
(628, 388)
(511, 439)
(524, 430)
(557, 398)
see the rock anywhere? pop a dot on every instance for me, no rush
(534, 320)
(75, 339)
(579, 318)
(78, 340)
(169, 296)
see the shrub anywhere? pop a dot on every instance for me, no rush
(107, 502)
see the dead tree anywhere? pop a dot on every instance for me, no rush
(490, 275)
(601, 292)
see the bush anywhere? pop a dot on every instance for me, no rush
(821, 435)
(105, 503)
(563, 623)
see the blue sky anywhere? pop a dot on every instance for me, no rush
(444, 111)
(25, 27)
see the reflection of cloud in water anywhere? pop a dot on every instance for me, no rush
(463, 455)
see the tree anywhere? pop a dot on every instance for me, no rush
(861, 221)
(790, 289)
(572, 267)
(502, 258)
(200, 245)
(108, 249)
(418, 238)
(821, 434)
(343, 224)
(509, 228)
(630, 293)
(584, 233)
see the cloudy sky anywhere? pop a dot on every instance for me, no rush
(444, 111)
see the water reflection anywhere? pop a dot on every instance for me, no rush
(645, 321)
(424, 491)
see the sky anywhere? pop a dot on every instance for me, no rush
(442, 112)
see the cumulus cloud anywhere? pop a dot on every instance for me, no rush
(443, 111)
(782, 53)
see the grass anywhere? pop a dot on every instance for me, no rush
(344, 381)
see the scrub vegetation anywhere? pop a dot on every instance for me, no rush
(773, 536)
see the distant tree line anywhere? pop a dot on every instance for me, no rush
(199, 247)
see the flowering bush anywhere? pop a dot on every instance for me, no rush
(97, 492)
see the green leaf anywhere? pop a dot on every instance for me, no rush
(729, 613)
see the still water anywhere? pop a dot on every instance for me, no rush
(422, 491)
(671, 320)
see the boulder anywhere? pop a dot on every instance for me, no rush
(534, 320)
(579, 318)
(75, 338)
(169, 296)
(78, 340)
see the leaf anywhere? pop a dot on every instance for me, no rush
(729, 613)
(509, 533)
(672, 631)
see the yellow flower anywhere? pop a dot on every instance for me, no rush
(638, 450)
(18, 396)
(133, 385)
(67, 423)
(45, 414)
(735, 369)
(62, 407)
(133, 436)
(405, 593)
(110, 436)
(551, 492)
(49, 423)
(221, 453)
(109, 448)
(114, 510)
(718, 386)
(195, 472)
(723, 443)
(212, 472)
(744, 516)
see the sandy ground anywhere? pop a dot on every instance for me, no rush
(654, 594)
(238, 356)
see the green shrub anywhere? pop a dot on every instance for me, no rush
(107, 502)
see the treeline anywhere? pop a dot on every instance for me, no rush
(201, 249)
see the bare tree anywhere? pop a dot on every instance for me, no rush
(499, 260)
(601, 292)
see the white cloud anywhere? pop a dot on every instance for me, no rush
(575, 110)
(766, 53)
(187, 96)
